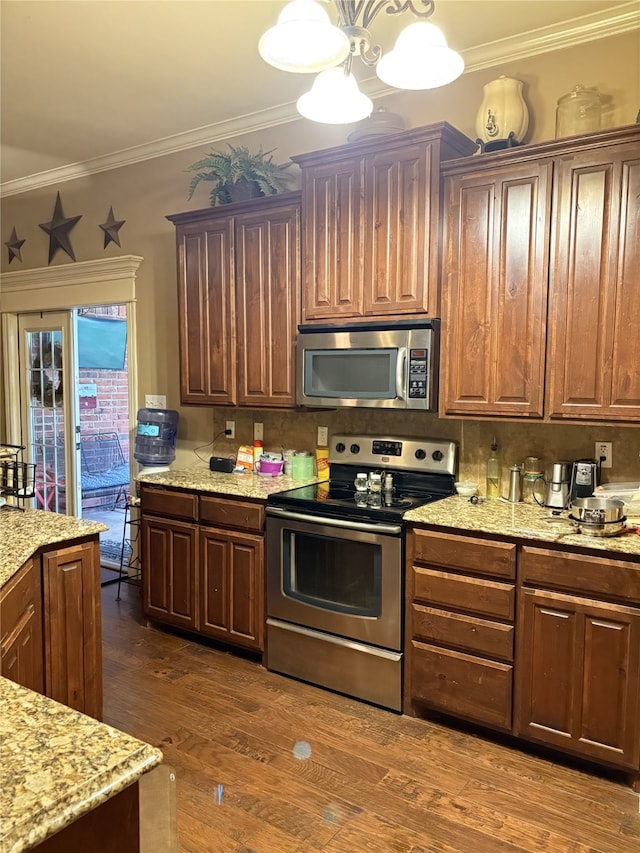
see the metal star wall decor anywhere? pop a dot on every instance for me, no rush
(111, 228)
(14, 245)
(59, 229)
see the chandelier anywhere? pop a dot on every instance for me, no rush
(305, 41)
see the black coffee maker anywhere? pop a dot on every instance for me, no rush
(584, 478)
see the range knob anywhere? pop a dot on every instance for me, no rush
(355, 448)
(437, 455)
(339, 447)
(420, 454)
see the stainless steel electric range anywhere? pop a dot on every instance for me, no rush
(335, 563)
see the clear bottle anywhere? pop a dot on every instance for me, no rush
(493, 471)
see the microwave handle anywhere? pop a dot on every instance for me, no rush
(401, 374)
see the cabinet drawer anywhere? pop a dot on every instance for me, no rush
(614, 580)
(462, 685)
(230, 513)
(479, 556)
(473, 595)
(464, 632)
(20, 595)
(173, 504)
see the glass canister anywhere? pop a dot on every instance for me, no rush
(580, 111)
(533, 482)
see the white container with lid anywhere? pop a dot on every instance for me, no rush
(580, 111)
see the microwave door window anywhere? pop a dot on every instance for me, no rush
(333, 574)
(359, 374)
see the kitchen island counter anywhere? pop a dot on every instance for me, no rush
(57, 765)
(23, 533)
(517, 521)
(252, 486)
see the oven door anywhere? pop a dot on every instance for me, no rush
(337, 576)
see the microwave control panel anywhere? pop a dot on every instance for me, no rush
(418, 360)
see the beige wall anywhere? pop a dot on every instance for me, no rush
(143, 194)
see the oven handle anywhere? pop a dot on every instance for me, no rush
(393, 529)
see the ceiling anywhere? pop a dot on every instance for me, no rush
(106, 82)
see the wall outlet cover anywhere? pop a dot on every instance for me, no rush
(155, 401)
(323, 436)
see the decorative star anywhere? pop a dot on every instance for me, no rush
(111, 228)
(14, 245)
(59, 229)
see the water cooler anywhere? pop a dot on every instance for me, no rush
(155, 442)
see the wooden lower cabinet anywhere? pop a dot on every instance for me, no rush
(169, 581)
(232, 584)
(21, 647)
(578, 676)
(203, 568)
(51, 626)
(562, 668)
(73, 627)
(460, 627)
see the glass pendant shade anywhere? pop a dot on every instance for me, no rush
(304, 40)
(335, 98)
(420, 59)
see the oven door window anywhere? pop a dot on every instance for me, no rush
(342, 575)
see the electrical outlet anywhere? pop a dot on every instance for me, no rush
(258, 432)
(604, 453)
(155, 401)
(323, 436)
(230, 429)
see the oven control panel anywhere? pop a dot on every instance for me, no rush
(429, 455)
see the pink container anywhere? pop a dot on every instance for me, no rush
(268, 467)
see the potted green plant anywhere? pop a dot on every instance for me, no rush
(238, 175)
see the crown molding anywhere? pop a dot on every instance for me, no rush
(621, 19)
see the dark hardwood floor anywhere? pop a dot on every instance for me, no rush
(373, 781)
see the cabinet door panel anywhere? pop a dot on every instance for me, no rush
(206, 312)
(332, 271)
(594, 279)
(268, 283)
(398, 256)
(578, 676)
(73, 660)
(169, 571)
(494, 290)
(232, 600)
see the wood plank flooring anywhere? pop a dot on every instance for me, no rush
(373, 781)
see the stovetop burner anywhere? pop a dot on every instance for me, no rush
(421, 471)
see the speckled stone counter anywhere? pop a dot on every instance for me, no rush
(58, 764)
(518, 521)
(22, 533)
(240, 485)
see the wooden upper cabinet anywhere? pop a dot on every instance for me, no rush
(594, 351)
(332, 239)
(268, 286)
(539, 281)
(206, 311)
(238, 302)
(371, 223)
(494, 298)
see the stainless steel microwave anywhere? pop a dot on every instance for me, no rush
(382, 365)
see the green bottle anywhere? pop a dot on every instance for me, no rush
(493, 472)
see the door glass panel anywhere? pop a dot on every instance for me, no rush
(367, 374)
(46, 418)
(335, 574)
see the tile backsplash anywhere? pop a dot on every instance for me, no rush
(550, 442)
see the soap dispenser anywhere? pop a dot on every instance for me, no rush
(493, 471)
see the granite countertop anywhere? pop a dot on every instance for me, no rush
(519, 521)
(58, 764)
(22, 533)
(240, 485)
